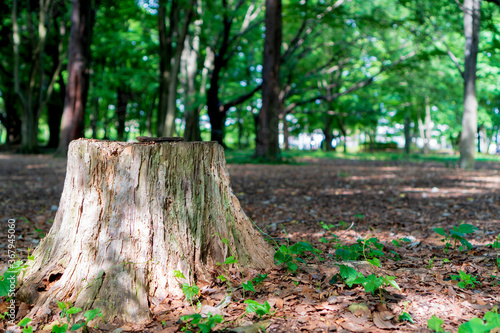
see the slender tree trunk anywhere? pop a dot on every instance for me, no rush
(123, 97)
(472, 12)
(129, 216)
(192, 111)
(170, 63)
(55, 112)
(428, 126)
(267, 144)
(72, 124)
(328, 132)
(407, 133)
(165, 62)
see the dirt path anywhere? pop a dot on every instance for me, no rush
(359, 200)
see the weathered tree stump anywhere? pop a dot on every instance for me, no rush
(132, 213)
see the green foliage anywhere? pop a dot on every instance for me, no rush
(490, 321)
(371, 283)
(67, 312)
(248, 286)
(289, 255)
(399, 242)
(24, 324)
(435, 324)
(196, 321)
(370, 248)
(456, 234)
(465, 280)
(405, 316)
(190, 291)
(259, 309)
(9, 278)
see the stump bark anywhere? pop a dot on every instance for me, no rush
(132, 213)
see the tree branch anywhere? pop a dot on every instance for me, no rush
(240, 99)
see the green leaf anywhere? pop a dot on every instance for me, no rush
(440, 231)
(60, 328)
(190, 291)
(24, 322)
(230, 260)
(179, 275)
(374, 262)
(73, 310)
(61, 305)
(248, 286)
(349, 274)
(466, 228)
(475, 325)
(259, 278)
(406, 316)
(259, 309)
(9, 279)
(77, 326)
(28, 329)
(193, 318)
(292, 266)
(466, 243)
(91, 314)
(390, 280)
(372, 283)
(435, 324)
(222, 278)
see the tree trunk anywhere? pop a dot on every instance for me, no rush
(121, 111)
(428, 126)
(129, 216)
(55, 112)
(328, 133)
(72, 123)
(192, 111)
(469, 120)
(267, 144)
(407, 133)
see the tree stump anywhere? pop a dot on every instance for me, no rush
(132, 213)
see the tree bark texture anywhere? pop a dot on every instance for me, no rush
(472, 12)
(132, 213)
(72, 123)
(267, 144)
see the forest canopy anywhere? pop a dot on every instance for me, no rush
(354, 73)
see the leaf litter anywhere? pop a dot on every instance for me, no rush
(353, 200)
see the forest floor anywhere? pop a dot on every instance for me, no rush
(332, 204)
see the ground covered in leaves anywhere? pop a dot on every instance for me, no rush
(357, 210)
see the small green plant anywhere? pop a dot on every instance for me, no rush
(465, 280)
(496, 243)
(399, 242)
(289, 255)
(405, 316)
(190, 291)
(435, 324)
(259, 309)
(477, 325)
(9, 278)
(250, 285)
(24, 324)
(363, 248)
(495, 280)
(67, 312)
(196, 321)
(371, 283)
(456, 235)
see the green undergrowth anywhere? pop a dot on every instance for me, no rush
(301, 156)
